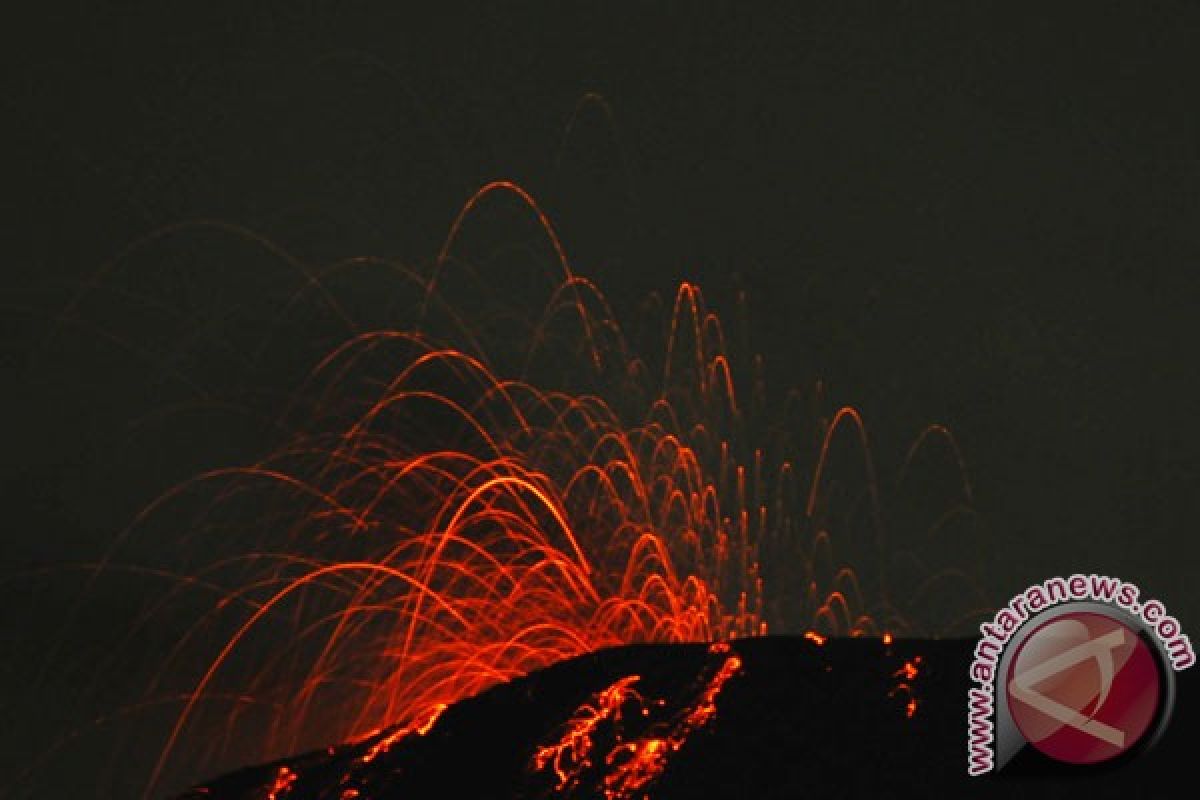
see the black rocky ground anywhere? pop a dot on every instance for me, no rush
(798, 719)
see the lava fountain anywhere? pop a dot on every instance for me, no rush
(454, 506)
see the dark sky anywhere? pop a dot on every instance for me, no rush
(973, 214)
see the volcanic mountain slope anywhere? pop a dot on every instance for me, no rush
(769, 717)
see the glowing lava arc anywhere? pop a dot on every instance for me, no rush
(441, 522)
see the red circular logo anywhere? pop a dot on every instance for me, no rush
(1083, 688)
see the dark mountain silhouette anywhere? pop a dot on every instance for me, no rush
(769, 717)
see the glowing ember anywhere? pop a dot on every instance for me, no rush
(569, 757)
(416, 728)
(283, 784)
(910, 669)
(631, 762)
(635, 764)
(906, 677)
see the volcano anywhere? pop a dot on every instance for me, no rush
(762, 717)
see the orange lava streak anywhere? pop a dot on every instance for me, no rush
(570, 755)
(419, 728)
(630, 764)
(634, 765)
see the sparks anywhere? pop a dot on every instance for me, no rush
(437, 521)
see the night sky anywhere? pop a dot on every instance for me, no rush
(981, 216)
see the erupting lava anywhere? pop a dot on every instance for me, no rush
(442, 520)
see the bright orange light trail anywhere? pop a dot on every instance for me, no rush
(635, 758)
(439, 524)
